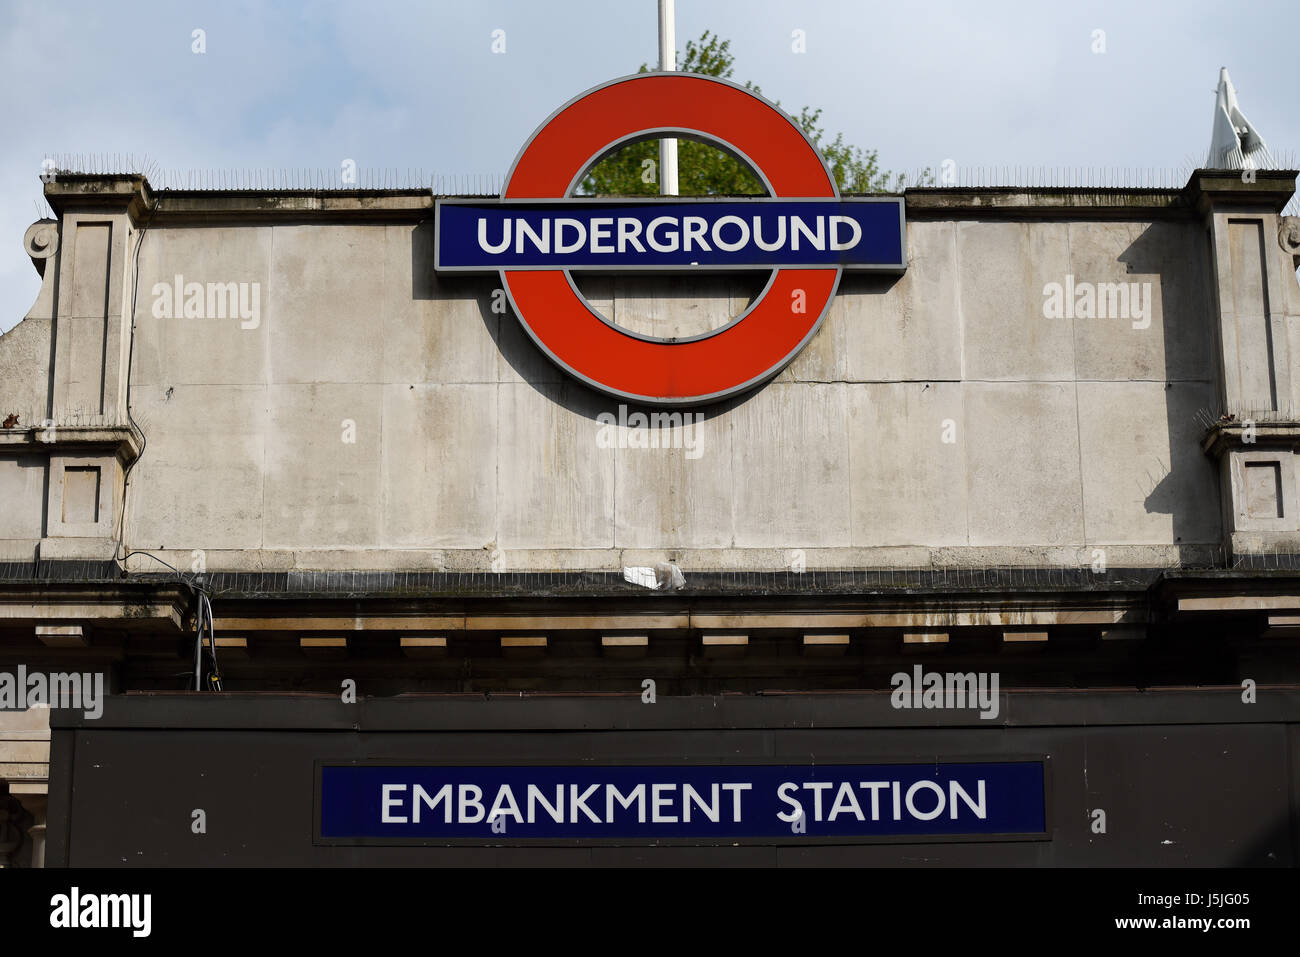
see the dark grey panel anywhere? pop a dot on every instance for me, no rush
(1175, 794)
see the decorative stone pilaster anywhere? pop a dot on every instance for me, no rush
(86, 261)
(1254, 253)
(1258, 477)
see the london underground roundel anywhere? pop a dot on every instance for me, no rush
(538, 234)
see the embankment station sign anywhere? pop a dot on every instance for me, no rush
(365, 803)
(538, 233)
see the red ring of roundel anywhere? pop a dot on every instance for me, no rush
(740, 355)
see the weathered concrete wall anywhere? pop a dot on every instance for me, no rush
(25, 361)
(24, 369)
(1042, 386)
(937, 417)
(24, 385)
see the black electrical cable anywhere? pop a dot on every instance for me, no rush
(130, 362)
(203, 623)
(203, 614)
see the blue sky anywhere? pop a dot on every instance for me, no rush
(416, 85)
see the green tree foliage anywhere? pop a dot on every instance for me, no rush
(704, 170)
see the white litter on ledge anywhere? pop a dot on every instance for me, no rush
(665, 576)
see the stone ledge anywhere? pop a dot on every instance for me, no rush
(124, 439)
(77, 549)
(1224, 436)
(1083, 202)
(1271, 189)
(1205, 189)
(71, 192)
(159, 606)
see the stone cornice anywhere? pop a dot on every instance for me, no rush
(1269, 189)
(1206, 189)
(126, 441)
(78, 192)
(1020, 202)
(1222, 436)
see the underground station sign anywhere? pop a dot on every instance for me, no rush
(376, 803)
(539, 233)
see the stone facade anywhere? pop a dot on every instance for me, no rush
(1073, 417)
(371, 416)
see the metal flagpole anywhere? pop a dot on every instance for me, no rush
(667, 61)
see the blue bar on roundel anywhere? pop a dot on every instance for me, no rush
(864, 233)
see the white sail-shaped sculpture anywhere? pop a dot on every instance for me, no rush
(1235, 143)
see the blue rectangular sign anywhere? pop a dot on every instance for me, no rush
(862, 233)
(421, 803)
